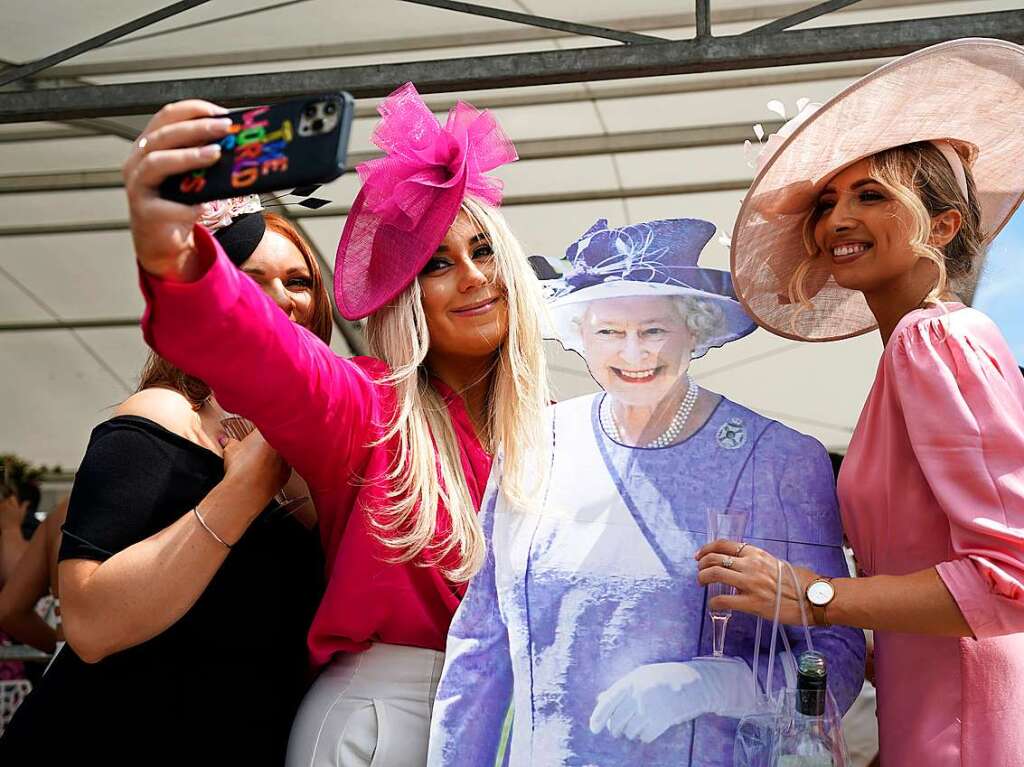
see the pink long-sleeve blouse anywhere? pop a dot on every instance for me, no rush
(322, 413)
(934, 477)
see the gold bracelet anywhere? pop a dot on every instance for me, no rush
(208, 529)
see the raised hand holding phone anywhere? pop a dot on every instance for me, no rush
(269, 148)
(180, 138)
(195, 151)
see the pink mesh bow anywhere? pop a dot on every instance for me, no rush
(410, 197)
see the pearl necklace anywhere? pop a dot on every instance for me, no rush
(670, 434)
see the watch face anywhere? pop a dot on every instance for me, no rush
(820, 592)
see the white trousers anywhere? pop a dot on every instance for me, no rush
(368, 709)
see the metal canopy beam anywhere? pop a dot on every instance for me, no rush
(540, 21)
(112, 322)
(27, 70)
(858, 41)
(212, 59)
(247, 13)
(495, 99)
(801, 16)
(83, 127)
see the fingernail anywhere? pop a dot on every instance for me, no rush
(209, 151)
(214, 109)
(223, 123)
(222, 440)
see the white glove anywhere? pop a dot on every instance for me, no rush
(650, 699)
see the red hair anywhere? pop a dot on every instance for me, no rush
(159, 372)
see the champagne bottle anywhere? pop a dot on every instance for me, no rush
(805, 741)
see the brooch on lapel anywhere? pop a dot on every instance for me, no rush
(732, 435)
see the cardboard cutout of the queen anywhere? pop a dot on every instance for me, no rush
(584, 638)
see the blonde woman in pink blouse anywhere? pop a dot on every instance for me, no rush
(396, 447)
(874, 230)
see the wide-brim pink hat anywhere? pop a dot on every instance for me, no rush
(410, 197)
(968, 93)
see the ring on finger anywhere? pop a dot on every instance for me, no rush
(739, 551)
(727, 562)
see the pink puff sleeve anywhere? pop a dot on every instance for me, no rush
(317, 409)
(962, 398)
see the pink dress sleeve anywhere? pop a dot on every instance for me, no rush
(316, 408)
(961, 395)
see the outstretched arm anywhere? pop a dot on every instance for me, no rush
(212, 321)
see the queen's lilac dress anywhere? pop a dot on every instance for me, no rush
(600, 578)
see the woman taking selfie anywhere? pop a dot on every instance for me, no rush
(185, 597)
(395, 447)
(836, 238)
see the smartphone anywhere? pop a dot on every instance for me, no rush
(270, 148)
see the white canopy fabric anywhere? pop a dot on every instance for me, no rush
(628, 150)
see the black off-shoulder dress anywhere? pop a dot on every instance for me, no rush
(221, 685)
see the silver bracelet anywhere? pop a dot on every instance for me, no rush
(208, 528)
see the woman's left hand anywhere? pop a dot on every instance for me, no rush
(753, 572)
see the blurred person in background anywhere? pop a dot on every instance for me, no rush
(19, 502)
(33, 579)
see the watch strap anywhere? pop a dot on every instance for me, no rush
(818, 611)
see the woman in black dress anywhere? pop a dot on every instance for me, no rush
(185, 597)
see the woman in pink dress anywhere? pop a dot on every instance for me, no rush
(837, 238)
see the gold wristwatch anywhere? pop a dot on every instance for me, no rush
(820, 592)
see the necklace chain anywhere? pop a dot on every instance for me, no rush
(675, 428)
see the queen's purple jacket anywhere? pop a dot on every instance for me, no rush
(600, 578)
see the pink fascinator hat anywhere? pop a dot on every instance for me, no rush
(410, 197)
(966, 97)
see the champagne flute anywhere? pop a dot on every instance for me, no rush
(729, 524)
(237, 427)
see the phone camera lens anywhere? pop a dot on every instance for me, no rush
(329, 108)
(318, 125)
(309, 111)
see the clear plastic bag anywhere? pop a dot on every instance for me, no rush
(775, 720)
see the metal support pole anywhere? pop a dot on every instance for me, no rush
(703, 15)
(533, 20)
(113, 322)
(801, 16)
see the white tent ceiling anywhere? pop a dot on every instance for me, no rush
(627, 150)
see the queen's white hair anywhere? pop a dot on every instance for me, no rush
(704, 318)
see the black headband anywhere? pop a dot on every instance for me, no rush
(242, 236)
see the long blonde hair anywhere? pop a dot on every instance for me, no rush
(426, 468)
(918, 176)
